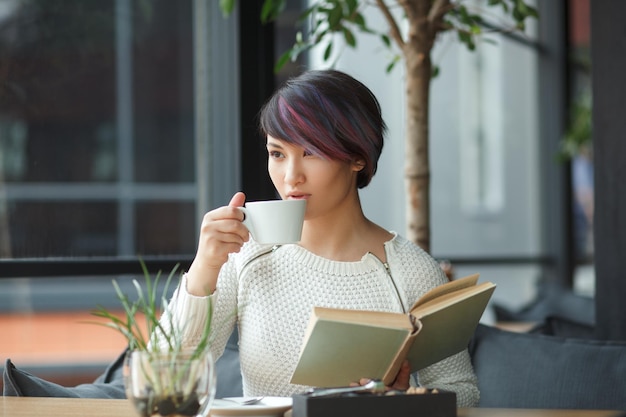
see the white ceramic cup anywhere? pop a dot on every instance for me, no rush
(275, 221)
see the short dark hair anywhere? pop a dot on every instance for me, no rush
(330, 114)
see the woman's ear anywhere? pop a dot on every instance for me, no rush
(358, 165)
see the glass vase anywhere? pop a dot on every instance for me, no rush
(163, 384)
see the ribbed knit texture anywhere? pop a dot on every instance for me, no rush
(270, 295)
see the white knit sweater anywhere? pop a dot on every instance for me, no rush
(270, 294)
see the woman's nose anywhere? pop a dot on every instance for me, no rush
(294, 173)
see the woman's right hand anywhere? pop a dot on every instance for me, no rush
(222, 232)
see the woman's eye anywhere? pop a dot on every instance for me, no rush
(275, 154)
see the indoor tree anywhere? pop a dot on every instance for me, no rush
(412, 27)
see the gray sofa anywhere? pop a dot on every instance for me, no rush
(515, 370)
(537, 370)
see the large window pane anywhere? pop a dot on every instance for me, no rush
(96, 128)
(162, 69)
(165, 227)
(41, 229)
(119, 128)
(57, 90)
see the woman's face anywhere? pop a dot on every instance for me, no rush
(297, 174)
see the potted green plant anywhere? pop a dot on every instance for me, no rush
(163, 377)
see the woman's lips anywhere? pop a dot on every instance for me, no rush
(298, 196)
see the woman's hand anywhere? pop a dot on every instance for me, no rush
(401, 382)
(402, 379)
(222, 232)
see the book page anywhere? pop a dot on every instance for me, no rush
(446, 288)
(448, 299)
(370, 318)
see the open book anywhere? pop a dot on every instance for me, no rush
(343, 346)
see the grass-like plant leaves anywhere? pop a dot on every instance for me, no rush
(154, 337)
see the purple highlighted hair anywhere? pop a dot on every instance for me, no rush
(330, 114)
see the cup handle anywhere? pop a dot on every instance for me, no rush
(247, 221)
(245, 213)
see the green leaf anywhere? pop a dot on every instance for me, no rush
(367, 30)
(505, 6)
(478, 19)
(290, 55)
(359, 20)
(328, 51)
(271, 9)
(467, 39)
(392, 64)
(282, 60)
(349, 37)
(227, 7)
(533, 12)
(386, 40)
(317, 23)
(319, 37)
(464, 16)
(435, 71)
(306, 13)
(464, 36)
(353, 5)
(335, 16)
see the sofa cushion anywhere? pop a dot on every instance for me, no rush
(228, 370)
(522, 370)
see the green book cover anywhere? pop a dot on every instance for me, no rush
(342, 353)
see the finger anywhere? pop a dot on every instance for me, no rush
(364, 381)
(238, 199)
(220, 238)
(227, 228)
(402, 379)
(223, 213)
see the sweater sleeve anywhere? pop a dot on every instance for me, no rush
(454, 374)
(185, 314)
(190, 314)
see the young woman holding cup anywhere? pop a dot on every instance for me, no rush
(324, 134)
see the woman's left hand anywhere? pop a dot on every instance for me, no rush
(401, 382)
(402, 379)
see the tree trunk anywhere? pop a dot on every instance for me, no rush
(417, 166)
(416, 53)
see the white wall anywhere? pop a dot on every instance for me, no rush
(492, 90)
(383, 200)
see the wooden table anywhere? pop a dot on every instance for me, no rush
(519, 412)
(83, 407)
(66, 407)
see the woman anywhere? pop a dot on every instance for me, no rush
(324, 133)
